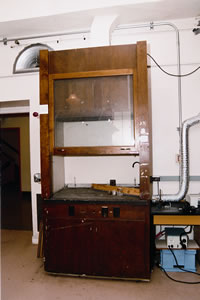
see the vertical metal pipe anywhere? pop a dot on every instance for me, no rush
(178, 69)
(179, 87)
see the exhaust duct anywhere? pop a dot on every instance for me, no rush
(28, 60)
(184, 176)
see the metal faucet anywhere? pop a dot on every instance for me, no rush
(133, 165)
(136, 162)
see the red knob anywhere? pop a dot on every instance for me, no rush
(35, 114)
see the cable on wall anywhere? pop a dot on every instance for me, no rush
(170, 74)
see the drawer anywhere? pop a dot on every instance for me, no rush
(110, 211)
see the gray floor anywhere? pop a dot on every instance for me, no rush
(23, 278)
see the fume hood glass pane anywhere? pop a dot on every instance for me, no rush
(94, 111)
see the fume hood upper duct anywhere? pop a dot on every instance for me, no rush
(184, 162)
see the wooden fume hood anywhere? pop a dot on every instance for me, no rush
(94, 63)
(82, 228)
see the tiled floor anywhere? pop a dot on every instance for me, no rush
(23, 278)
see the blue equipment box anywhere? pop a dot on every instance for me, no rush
(185, 259)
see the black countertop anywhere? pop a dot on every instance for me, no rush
(89, 195)
(174, 208)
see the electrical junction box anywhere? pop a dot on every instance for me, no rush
(193, 199)
(176, 237)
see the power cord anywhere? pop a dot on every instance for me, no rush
(179, 281)
(170, 74)
(183, 240)
(179, 266)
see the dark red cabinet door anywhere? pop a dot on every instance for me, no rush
(120, 249)
(67, 245)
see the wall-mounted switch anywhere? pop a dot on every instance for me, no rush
(37, 177)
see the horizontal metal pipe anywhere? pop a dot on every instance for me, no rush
(144, 25)
(177, 178)
(13, 39)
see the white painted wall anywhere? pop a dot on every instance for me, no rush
(47, 7)
(79, 170)
(26, 87)
(164, 107)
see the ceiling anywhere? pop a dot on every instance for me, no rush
(73, 19)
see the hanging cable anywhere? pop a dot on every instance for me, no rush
(170, 74)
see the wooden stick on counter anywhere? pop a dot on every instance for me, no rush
(121, 189)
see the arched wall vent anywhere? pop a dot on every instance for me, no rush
(28, 60)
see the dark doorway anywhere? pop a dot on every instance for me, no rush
(10, 157)
(15, 203)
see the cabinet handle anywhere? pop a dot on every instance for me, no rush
(125, 149)
(104, 211)
(71, 211)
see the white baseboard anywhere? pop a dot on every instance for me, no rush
(35, 238)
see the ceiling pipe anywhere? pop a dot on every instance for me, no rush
(101, 30)
(22, 38)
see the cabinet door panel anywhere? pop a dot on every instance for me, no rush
(120, 249)
(66, 247)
